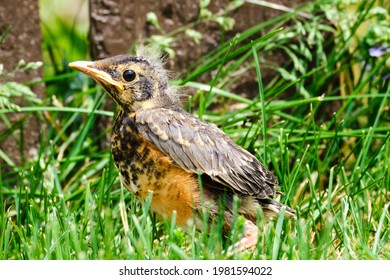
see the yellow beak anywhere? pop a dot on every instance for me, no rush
(102, 77)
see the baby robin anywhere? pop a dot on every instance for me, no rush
(190, 165)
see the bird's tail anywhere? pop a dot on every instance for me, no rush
(272, 209)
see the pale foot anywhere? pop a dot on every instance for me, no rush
(249, 240)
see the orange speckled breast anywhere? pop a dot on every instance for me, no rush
(144, 168)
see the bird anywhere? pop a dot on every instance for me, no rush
(191, 166)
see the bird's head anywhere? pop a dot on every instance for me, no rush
(134, 82)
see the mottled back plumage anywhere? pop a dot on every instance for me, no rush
(201, 147)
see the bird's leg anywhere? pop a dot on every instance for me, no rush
(249, 240)
(251, 234)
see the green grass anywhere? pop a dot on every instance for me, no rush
(321, 124)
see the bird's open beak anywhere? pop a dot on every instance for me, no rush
(88, 68)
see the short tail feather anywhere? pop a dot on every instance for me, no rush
(272, 208)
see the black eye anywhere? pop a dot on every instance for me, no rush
(129, 75)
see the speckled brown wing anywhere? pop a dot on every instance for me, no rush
(201, 147)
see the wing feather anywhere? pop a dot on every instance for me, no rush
(201, 147)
